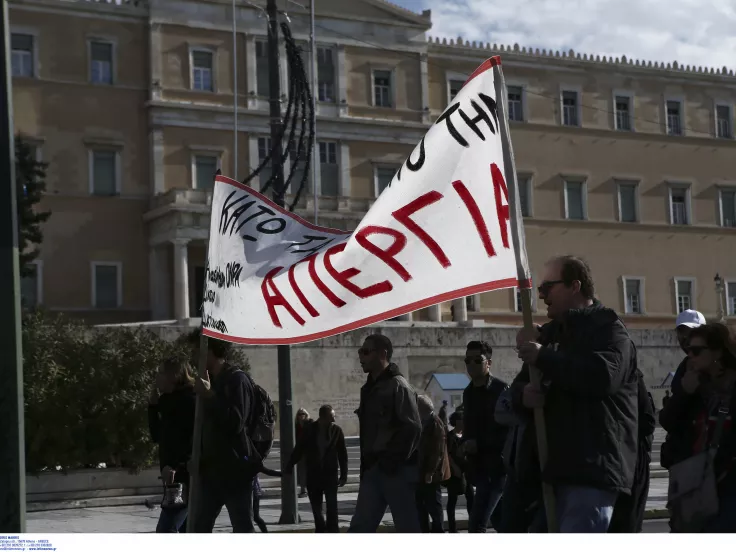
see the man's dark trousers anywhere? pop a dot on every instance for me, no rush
(316, 489)
(429, 506)
(236, 494)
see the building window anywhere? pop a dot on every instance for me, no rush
(516, 104)
(205, 167)
(731, 298)
(724, 121)
(674, 118)
(633, 295)
(329, 172)
(627, 202)
(104, 172)
(106, 285)
(382, 88)
(264, 149)
(202, 70)
(570, 106)
(684, 294)
(22, 55)
(679, 208)
(518, 304)
(525, 194)
(728, 208)
(383, 176)
(623, 113)
(575, 200)
(471, 303)
(30, 286)
(100, 63)
(263, 86)
(326, 74)
(454, 87)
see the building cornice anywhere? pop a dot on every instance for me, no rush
(572, 59)
(704, 230)
(115, 9)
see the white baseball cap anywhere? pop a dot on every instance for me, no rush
(690, 319)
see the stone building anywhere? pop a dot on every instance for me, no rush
(628, 163)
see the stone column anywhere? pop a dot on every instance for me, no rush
(424, 83)
(435, 313)
(459, 310)
(343, 164)
(160, 282)
(251, 75)
(342, 82)
(156, 137)
(156, 58)
(181, 279)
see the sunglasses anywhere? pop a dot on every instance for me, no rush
(547, 286)
(695, 350)
(474, 360)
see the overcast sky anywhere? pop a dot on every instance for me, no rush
(692, 32)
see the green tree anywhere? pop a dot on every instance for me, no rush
(30, 178)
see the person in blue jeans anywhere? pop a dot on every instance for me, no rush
(589, 393)
(390, 428)
(484, 438)
(171, 424)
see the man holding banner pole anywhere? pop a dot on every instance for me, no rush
(589, 394)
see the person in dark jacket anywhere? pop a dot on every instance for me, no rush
(705, 399)
(628, 513)
(675, 447)
(457, 484)
(483, 438)
(322, 449)
(443, 413)
(171, 423)
(229, 461)
(589, 395)
(301, 420)
(389, 437)
(434, 467)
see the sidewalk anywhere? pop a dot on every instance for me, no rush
(138, 519)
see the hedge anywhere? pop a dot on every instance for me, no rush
(86, 392)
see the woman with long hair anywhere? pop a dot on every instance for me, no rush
(171, 423)
(300, 423)
(700, 414)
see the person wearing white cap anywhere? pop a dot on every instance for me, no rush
(686, 321)
(672, 451)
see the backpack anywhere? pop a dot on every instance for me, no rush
(263, 421)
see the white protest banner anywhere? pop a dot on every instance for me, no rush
(442, 230)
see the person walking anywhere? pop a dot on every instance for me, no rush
(301, 420)
(434, 467)
(229, 460)
(483, 438)
(389, 436)
(701, 412)
(322, 446)
(171, 424)
(457, 485)
(628, 513)
(589, 394)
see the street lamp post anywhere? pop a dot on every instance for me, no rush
(719, 297)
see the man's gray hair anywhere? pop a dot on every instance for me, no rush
(423, 401)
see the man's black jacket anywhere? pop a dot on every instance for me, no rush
(479, 425)
(226, 446)
(322, 465)
(589, 367)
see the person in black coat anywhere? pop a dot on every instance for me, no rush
(628, 513)
(589, 394)
(171, 423)
(322, 445)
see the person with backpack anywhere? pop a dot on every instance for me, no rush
(322, 448)
(229, 459)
